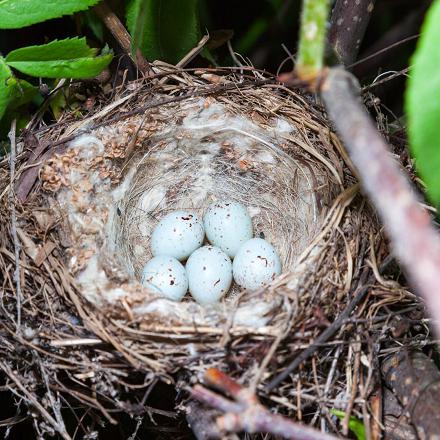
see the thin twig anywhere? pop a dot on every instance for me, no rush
(210, 90)
(415, 241)
(354, 386)
(54, 403)
(384, 50)
(35, 402)
(243, 412)
(378, 82)
(117, 29)
(72, 342)
(358, 296)
(193, 52)
(12, 159)
(402, 32)
(14, 420)
(284, 331)
(252, 72)
(347, 27)
(233, 54)
(331, 373)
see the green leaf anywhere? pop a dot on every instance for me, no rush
(77, 68)
(55, 50)
(258, 27)
(355, 425)
(255, 31)
(16, 14)
(57, 105)
(13, 92)
(7, 84)
(422, 103)
(164, 29)
(138, 14)
(91, 20)
(22, 93)
(70, 58)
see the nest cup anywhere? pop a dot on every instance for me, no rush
(110, 178)
(186, 156)
(210, 155)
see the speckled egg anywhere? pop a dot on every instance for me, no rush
(227, 225)
(209, 272)
(167, 276)
(256, 264)
(177, 235)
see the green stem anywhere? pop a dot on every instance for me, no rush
(312, 38)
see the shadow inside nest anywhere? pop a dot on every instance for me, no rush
(158, 420)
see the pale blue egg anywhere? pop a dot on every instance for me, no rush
(209, 272)
(167, 276)
(256, 264)
(227, 225)
(178, 234)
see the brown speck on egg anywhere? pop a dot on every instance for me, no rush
(263, 258)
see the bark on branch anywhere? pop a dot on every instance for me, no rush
(347, 27)
(243, 412)
(416, 381)
(117, 29)
(415, 241)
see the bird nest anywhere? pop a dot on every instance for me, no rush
(80, 333)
